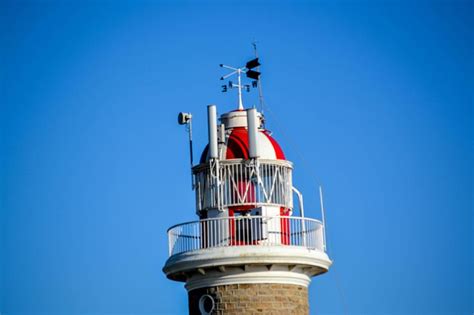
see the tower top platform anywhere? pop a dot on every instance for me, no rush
(255, 256)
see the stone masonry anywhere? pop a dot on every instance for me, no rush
(265, 298)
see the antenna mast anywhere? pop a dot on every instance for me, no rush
(259, 82)
(186, 119)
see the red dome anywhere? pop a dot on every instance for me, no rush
(237, 146)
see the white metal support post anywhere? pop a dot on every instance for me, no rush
(323, 216)
(303, 227)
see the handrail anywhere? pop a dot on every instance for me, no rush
(246, 231)
(253, 216)
(240, 182)
(202, 166)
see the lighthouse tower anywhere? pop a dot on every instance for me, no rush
(251, 250)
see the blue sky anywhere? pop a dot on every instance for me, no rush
(373, 100)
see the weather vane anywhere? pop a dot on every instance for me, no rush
(251, 74)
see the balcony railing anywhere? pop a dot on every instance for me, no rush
(239, 182)
(246, 231)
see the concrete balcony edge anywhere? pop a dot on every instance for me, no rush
(194, 264)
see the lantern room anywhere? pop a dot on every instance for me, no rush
(243, 172)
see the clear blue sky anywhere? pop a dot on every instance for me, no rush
(372, 99)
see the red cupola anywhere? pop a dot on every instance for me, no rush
(235, 139)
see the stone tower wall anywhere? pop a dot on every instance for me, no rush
(265, 298)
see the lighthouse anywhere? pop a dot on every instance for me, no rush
(251, 249)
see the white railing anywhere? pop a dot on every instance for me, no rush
(243, 182)
(246, 231)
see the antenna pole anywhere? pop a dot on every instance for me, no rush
(322, 215)
(190, 130)
(259, 81)
(241, 106)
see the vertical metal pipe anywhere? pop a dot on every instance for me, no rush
(241, 106)
(252, 125)
(212, 131)
(169, 243)
(214, 233)
(323, 216)
(190, 124)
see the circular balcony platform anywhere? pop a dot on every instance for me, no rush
(246, 250)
